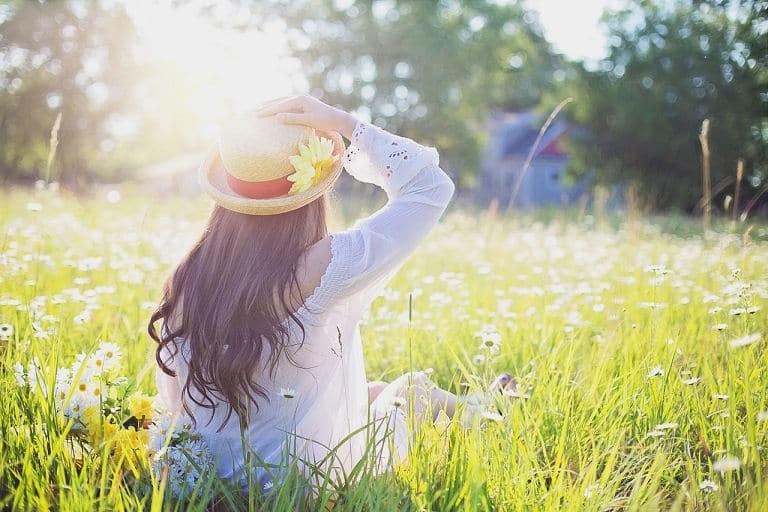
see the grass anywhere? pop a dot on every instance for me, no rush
(607, 324)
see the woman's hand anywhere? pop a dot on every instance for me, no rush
(309, 111)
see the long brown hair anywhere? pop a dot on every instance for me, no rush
(227, 286)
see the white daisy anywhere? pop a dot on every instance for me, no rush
(492, 416)
(745, 340)
(287, 393)
(6, 331)
(110, 355)
(727, 464)
(19, 374)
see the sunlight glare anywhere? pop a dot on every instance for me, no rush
(214, 70)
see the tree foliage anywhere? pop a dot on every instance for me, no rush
(670, 66)
(72, 58)
(427, 69)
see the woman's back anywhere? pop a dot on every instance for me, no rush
(317, 397)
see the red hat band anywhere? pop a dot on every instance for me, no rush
(259, 189)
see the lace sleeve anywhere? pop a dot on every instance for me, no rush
(366, 256)
(385, 159)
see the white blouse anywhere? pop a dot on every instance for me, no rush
(328, 422)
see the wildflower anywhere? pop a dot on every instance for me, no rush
(708, 486)
(719, 327)
(75, 407)
(692, 381)
(491, 339)
(653, 305)
(83, 317)
(746, 340)
(34, 371)
(34, 207)
(160, 431)
(492, 416)
(141, 407)
(666, 426)
(762, 416)
(98, 428)
(656, 371)
(94, 393)
(19, 374)
(6, 331)
(130, 446)
(478, 359)
(590, 490)
(61, 391)
(718, 396)
(287, 393)
(186, 463)
(727, 464)
(398, 401)
(513, 393)
(110, 355)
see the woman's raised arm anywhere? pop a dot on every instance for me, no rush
(364, 257)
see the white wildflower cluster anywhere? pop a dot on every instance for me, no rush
(82, 385)
(178, 452)
(661, 429)
(87, 393)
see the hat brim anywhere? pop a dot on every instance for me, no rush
(213, 180)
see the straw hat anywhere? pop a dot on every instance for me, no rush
(247, 170)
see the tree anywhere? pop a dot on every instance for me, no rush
(73, 58)
(426, 69)
(670, 66)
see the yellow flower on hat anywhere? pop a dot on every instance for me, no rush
(312, 164)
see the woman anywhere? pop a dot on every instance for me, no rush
(260, 341)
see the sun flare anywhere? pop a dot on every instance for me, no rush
(214, 70)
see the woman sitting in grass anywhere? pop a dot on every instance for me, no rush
(260, 342)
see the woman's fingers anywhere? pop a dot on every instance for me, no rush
(293, 118)
(291, 103)
(275, 101)
(268, 103)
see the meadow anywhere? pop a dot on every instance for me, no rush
(639, 351)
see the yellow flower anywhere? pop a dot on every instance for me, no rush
(93, 420)
(130, 448)
(312, 164)
(98, 427)
(141, 407)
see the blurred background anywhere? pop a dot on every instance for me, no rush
(109, 91)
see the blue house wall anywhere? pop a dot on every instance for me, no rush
(512, 135)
